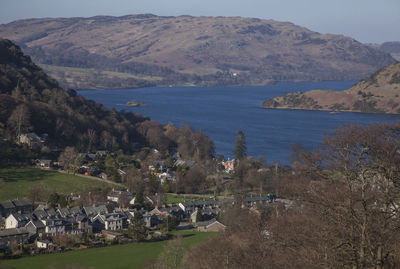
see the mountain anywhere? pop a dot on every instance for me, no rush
(392, 47)
(148, 50)
(379, 93)
(31, 101)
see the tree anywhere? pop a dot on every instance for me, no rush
(92, 139)
(137, 229)
(170, 223)
(70, 159)
(19, 120)
(240, 148)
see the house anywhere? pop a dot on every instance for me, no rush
(63, 212)
(6, 208)
(118, 196)
(44, 163)
(54, 226)
(183, 163)
(113, 221)
(35, 227)
(92, 211)
(44, 244)
(229, 165)
(258, 200)
(210, 226)
(150, 220)
(16, 220)
(22, 206)
(19, 235)
(175, 211)
(103, 175)
(205, 214)
(40, 214)
(84, 224)
(31, 139)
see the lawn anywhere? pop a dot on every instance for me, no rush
(15, 182)
(119, 256)
(178, 198)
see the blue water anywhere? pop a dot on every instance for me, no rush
(221, 111)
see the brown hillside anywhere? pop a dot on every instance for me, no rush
(379, 93)
(188, 50)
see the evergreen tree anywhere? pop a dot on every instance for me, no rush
(240, 146)
(137, 229)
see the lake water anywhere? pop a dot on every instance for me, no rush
(221, 111)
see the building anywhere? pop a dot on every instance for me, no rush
(18, 235)
(119, 196)
(16, 220)
(31, 139)
(210, 226)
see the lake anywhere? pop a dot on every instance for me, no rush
(221, 111)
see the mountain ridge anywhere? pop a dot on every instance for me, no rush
(187, 50)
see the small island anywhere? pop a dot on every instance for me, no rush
(135, 103)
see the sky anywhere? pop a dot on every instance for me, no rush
(368, 21)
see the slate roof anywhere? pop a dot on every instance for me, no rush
(21, 217)
(94, 210)
(22, 202)
(40, 214)
(13, 231)
(7, 204)
(207, 223)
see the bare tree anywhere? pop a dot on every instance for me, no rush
(19, 120)
(70, 159)
(92, 137)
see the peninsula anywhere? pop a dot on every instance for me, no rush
(379, 93)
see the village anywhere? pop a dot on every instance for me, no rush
(122, 216)
(40, 229)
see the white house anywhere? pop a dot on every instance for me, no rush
(15, 220)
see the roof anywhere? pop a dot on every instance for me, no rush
(33, 137)
(7, 204)
(75, 210)
(36, 223)
(64, 211)
(22, 202)
(20, 217)
(13, 231)
(40, 214)
(208, 223)
(94, 210)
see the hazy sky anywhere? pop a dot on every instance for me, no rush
(368, 21)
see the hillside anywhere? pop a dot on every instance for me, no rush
(31, 101)
(391, 47)
(379, 93)
(146, 50)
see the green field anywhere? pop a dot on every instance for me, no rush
(178, 198)
(119, 256)
(15, 182)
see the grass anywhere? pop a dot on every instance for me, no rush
(16, 182)
(178, 198)
(119, 256)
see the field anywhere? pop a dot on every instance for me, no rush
(172, 198)
(119, 256)
(16, 182)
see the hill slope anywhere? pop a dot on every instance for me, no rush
(189, 50)
(379, 93)
(31, 101)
